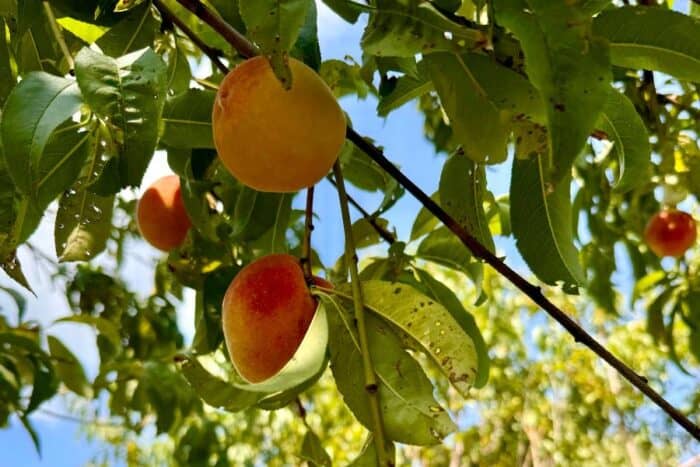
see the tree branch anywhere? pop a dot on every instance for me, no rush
(210, 52)
(246, 48)
(385, 234)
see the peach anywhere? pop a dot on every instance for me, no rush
(160, 214)
(266, 312)
(273, 139)
(670, 232)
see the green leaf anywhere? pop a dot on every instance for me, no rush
(86, 31)
(447, 298)
(215, 391)
(479, 125)
(7, 74)
(34, 109)
(19, 300)
(365, 234)
(306, 47)
(312, 450)
(346, 9)
(32, 433)
(429, 324)
(405, 90)
(68, 368)
(649, 38)
(541, 221)
(567, 64)
(462, 190)
(411, 414)
(441, 246)
(360, 170)
(83, 225)
(425, 221)
(187, 120)
(404, 28)
(655, 315)
(368, 455)
(129, 93)
(179, 73)
(63, 158)
(105, 327)
(626, 129)
(275, 25)
(13, 268)
(137, 29)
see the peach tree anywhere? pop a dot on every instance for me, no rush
(591, 106)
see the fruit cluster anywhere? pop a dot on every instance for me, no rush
(278, 140)
(275, 140)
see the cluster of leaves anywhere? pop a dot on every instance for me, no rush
(91, 91)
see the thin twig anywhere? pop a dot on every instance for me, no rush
(371, 386)
(308, 228)
(246, 48)
(232, 36)
(532, 291)
(384, 233)
(58, 35)
(210, 52)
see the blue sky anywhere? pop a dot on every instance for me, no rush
(402, 137)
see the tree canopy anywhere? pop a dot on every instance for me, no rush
(433, 348)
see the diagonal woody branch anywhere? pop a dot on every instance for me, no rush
(246, 48)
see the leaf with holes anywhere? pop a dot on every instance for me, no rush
(411, 414)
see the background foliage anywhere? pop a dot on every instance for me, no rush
(593, 106)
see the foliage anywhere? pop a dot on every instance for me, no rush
(592, 105)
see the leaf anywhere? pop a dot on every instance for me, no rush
(86, 31)
(368, 456)
(34, 109)
(442, 247)
(643, 37)
(68, 368)
(312, 450)
(540, 215)
(137, 29)
(365, 234)
(429, 324)
(406, 89)
(214, 391)
(478, 124)
(425, 221)
(346, 9)
(567, 64)
(408, 408)
(32, 433)
(129, 93)
(63, 158)
(275, 25)
(360, 170)
(83, 225)
(655, 315)
(106, 328)
(306, 47)
(245, 203)
(179, 73)
(626, 129)
(13, 269)
(447, 298)
(187, 120)
(462, 189)
(404, 28)
(7, 74)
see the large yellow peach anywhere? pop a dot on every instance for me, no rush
(266, 312)
(273, 139)
(160, 214)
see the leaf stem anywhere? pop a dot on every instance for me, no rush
(308, 228)
(58, 35)
(210, 52)
(358, 303)
(246, 48)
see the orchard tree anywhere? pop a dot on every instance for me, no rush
(435, 352)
